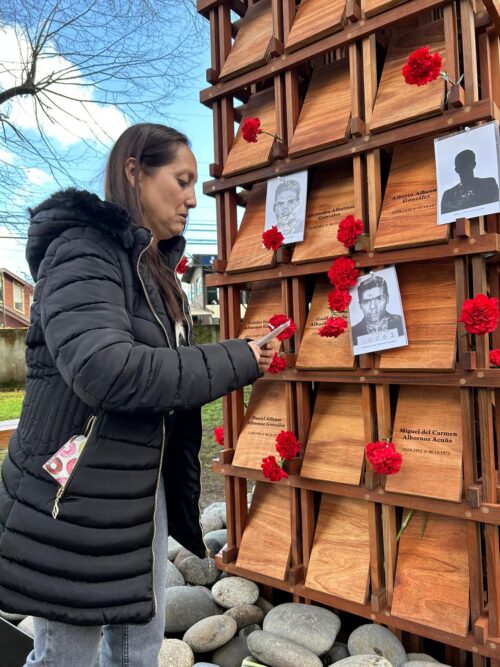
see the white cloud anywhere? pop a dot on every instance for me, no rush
(6, 156)
(70, 120)
(37, 176)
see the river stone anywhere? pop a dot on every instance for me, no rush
(246, 614)
(313, 627)
(232, 653)
(186, 605)
(174, 653)
(205, 664)
(373, 639)
(278, 652)
(424, 663)
(364, 661)
(26, 625)
(173, 548)
(337, 652)
(182, 555)
(412, 657)
(253, 659)
(235, 591)
(211, 521)
(217, 509)
(199, 571)
(264, 604)
(210, 633)
(12, 618)
(174, 577)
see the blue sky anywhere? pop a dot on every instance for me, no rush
(186, 114)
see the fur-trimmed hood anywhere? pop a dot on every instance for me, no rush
(73, 208)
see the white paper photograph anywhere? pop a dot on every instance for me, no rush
(286, 205)
(376, 312)
(467, 170)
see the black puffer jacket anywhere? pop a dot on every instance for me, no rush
(100, 343)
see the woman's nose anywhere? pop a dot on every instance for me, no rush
(191, 200)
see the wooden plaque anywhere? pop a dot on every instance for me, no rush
(398, 102)
(248, 251)
(325, 115)
(372, 7)
(340, 556)
(267, 538)
(331, 199)
(264, 419)
(336, 442)
(244, 156)
(429, 305)
(409, 212)
(264, 302)
(251, 46)
(319, 353)
(432, 574)
(315, 19)
(428, 433)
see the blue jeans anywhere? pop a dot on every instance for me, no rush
(63, 645)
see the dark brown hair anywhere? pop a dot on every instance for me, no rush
(152, 146)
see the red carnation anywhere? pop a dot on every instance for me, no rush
(422, 66)
(276, 320)
(338, 300)
(219, 435)
(480, 314)
(287, 445)
(277, 365)
(349, 230)
(383, 457)
(343, 273)
(182, 266)
(495, 357)
(272, 238)
(272, 470)
(333, 327)
(250, 129)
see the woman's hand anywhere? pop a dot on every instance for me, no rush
(264, 355)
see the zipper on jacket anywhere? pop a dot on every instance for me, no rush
(89, 427)
(163, 436)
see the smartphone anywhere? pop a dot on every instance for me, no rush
(272, 334)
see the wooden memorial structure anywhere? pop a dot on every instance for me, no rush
(325, 78)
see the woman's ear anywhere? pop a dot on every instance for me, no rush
(130, 168)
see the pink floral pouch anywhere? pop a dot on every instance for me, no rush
(61, 464)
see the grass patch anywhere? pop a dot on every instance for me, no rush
(10, 404)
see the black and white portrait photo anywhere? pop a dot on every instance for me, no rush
(376, 312)
(467, 168)
(286, 205)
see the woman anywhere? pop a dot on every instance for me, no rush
(104, 348)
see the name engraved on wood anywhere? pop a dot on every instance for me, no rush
(267, 538)
(432, 574)
(323, 353)
(244, 156)
(428, 433)
(398, 102)
(251, 46)
(248, 251)
(429, 305)
(264, 419)
(315, 19)
(320, 124)
(409, 212)
(336, 442)
(264, 302)
(340, 556)
(331, 199)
